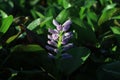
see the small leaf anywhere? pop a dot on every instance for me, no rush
(34, 24)
(12, 38)
(27, 48)
(3, 14)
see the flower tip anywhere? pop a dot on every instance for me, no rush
(55, 22)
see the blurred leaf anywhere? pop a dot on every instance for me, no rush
(12, 38)
(63, 15)
(6, 22)
(27, 48)
(116, 17)
(79, 56)
(34, 24)
(40, 14)
(81, 13)
(46, 21)
(109, 71)
(3, 14)
(116, 31)
(92, 16)
(107, 14)
(89, 3)
(65, 3)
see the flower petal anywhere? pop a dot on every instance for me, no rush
(52, 31)
(53, 43)
(66, 25)
(54, 36)
(66, 47)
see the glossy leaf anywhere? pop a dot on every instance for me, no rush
(34, 24)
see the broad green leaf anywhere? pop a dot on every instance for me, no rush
(79, 56)
(6, 22)
(3, 14)
(106, 15)
(34, 24)
(63, 15)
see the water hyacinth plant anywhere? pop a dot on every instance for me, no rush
(59, 40)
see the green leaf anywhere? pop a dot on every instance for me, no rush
(116, 31)
(12, 38)
(79, 56)
(3, 14)
(106, 15)
(109, 71)
(6, 22)
(27, 48)
(63, 15)
(34, 24)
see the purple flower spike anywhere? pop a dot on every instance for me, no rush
(58, 40)
(66, 25)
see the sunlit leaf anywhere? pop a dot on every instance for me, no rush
(34, 24)
(3, 14)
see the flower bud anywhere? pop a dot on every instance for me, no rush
(66, 25)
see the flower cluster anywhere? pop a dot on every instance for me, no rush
(59, 39)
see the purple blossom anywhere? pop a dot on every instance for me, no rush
(66, 25)
(59, 38)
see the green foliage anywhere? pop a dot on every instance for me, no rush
(96, 38)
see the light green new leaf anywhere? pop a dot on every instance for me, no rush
(34, 24)
(3, 14)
